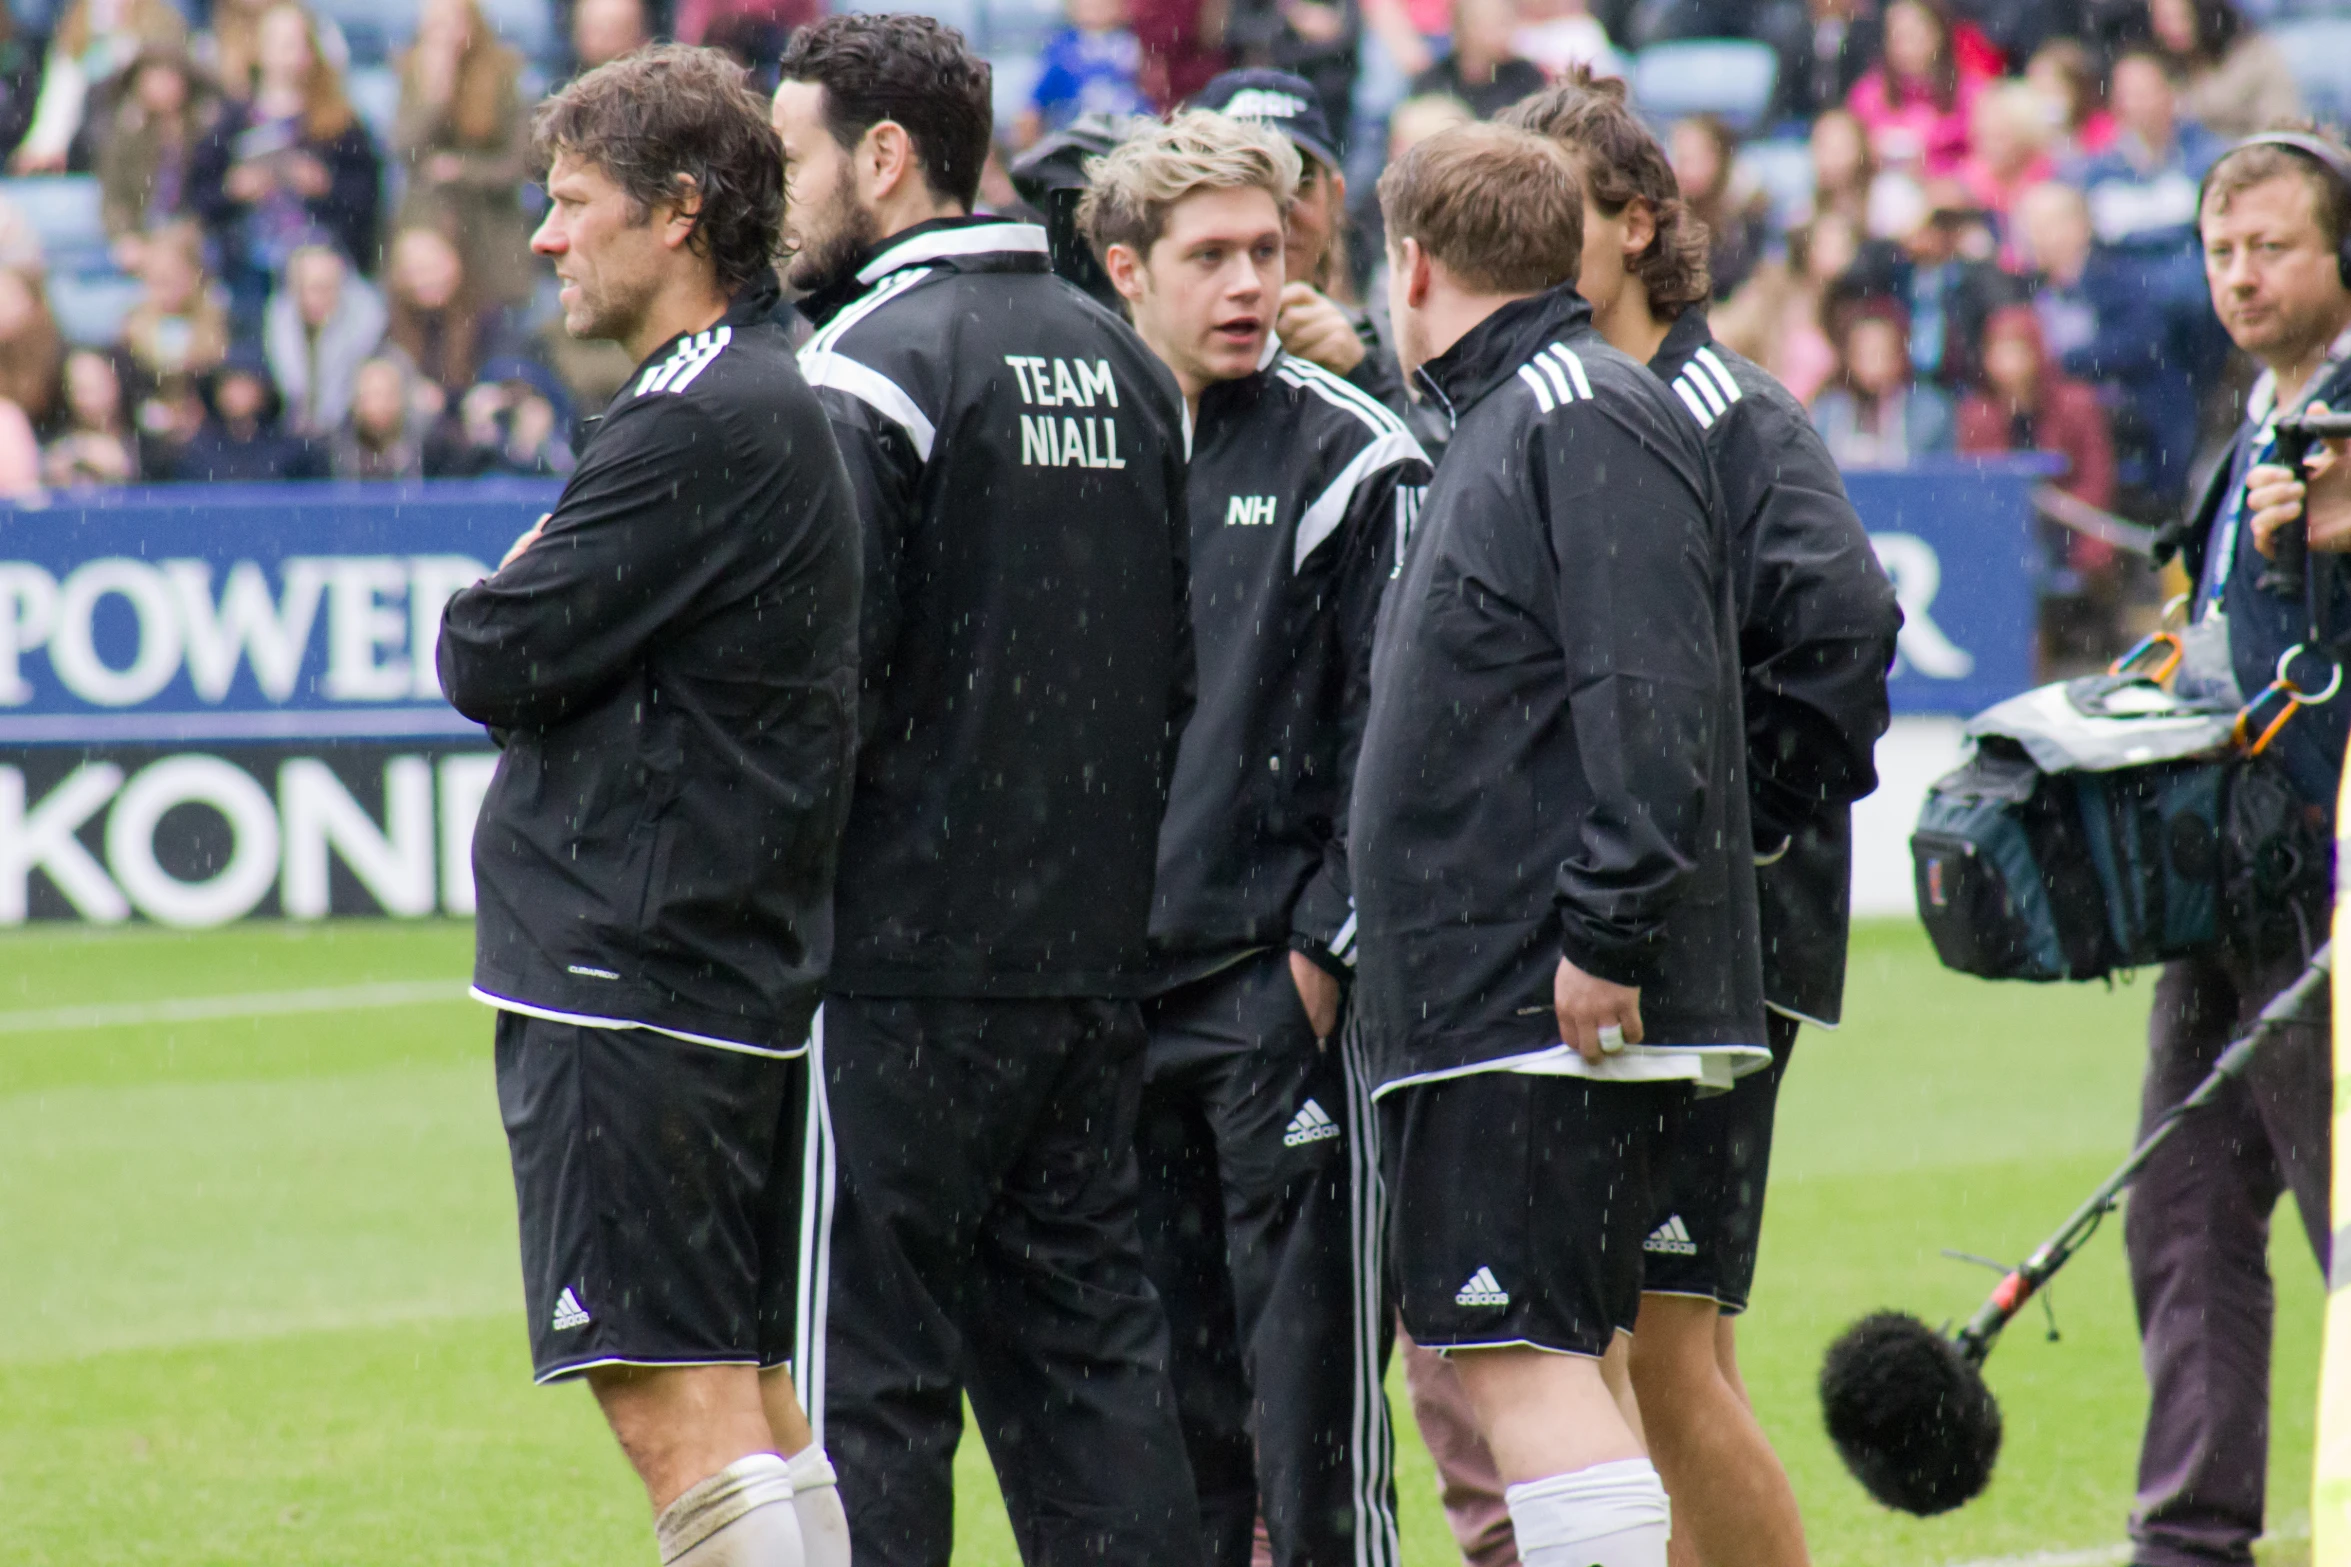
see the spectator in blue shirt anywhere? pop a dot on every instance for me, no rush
(2142, 188)
(1094, 65)
(2145, 354)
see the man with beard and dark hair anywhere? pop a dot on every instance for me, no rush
(669, 662)
(1018, 457)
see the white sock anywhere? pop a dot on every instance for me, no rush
(824, 1527)
(1610, 1515)
(740, 1517)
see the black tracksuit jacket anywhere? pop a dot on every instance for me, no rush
(1817, 621)
(1018, 459)
(1301, 492)
(1552, 762)
(673, 670)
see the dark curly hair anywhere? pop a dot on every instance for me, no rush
(1619, 161)
(669, 114)
(908, 70)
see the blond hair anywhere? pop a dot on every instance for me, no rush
(1131, 188)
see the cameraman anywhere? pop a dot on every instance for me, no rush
(2273, 219)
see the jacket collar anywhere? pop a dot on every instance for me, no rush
(979, 243)
(1242, 391)
(1690, 332)
(1491, 352)
(753, 303)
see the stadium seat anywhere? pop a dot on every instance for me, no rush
(2319, 49)
(90, 309)
(1015, 78)
(375, 95)
(965, 16)
(1729, 77)
(64, 210)
(1782, 170)
(374, 31)
(528, 26)
(1020, 26)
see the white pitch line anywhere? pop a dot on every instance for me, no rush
(262, 1003)
(2096, 1556)
(2297, 1528)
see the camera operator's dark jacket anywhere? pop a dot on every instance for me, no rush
(1552, 763)
(672, 668)
(1301, 495)
(1816, 637)
(2263, 624)
(1018, 458)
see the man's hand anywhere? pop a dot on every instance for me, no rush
(1318, 992)
(2278, 495)
(1313, 328)
(529, 538)
(1587, 1004)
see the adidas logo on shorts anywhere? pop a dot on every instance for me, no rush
(1672, 1238)
(569, 1313)
(1312, 1124)
(1483, 1289)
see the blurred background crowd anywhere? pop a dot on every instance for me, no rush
(256, 239)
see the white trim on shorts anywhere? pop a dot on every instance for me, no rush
(583, 1020)
(1377, 1542)
(575, 1368)
(819, 1191)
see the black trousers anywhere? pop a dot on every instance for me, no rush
(1260, 1227)
(984, 1242)
(2196, 1231)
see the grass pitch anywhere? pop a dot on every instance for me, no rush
(259, 1303)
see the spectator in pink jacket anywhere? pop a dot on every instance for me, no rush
(1917, 101)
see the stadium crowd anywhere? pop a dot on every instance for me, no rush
(1948, 227)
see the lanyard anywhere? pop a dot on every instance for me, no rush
(2224, 553)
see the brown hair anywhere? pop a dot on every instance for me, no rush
(912, 71)
(326, 111)
(673, 112)
(1620, 163)
(1497, 206)
(486, 70)
(444, 344)
(2260, 162)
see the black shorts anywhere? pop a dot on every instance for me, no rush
(1709, 1221)
(659, 1186)
(1519, 1203)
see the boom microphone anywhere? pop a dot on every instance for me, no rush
(1908, 1407)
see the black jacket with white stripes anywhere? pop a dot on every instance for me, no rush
(1552, 762)
(672, 667)
(1018, 458)
(1816, 637)
(1300, 491)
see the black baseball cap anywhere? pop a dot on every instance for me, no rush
(1278, 100)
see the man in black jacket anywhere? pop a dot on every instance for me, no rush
(669, 658)
(1255, 1133)
(1549, 833)
(1027, 667)
(1818, 620)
